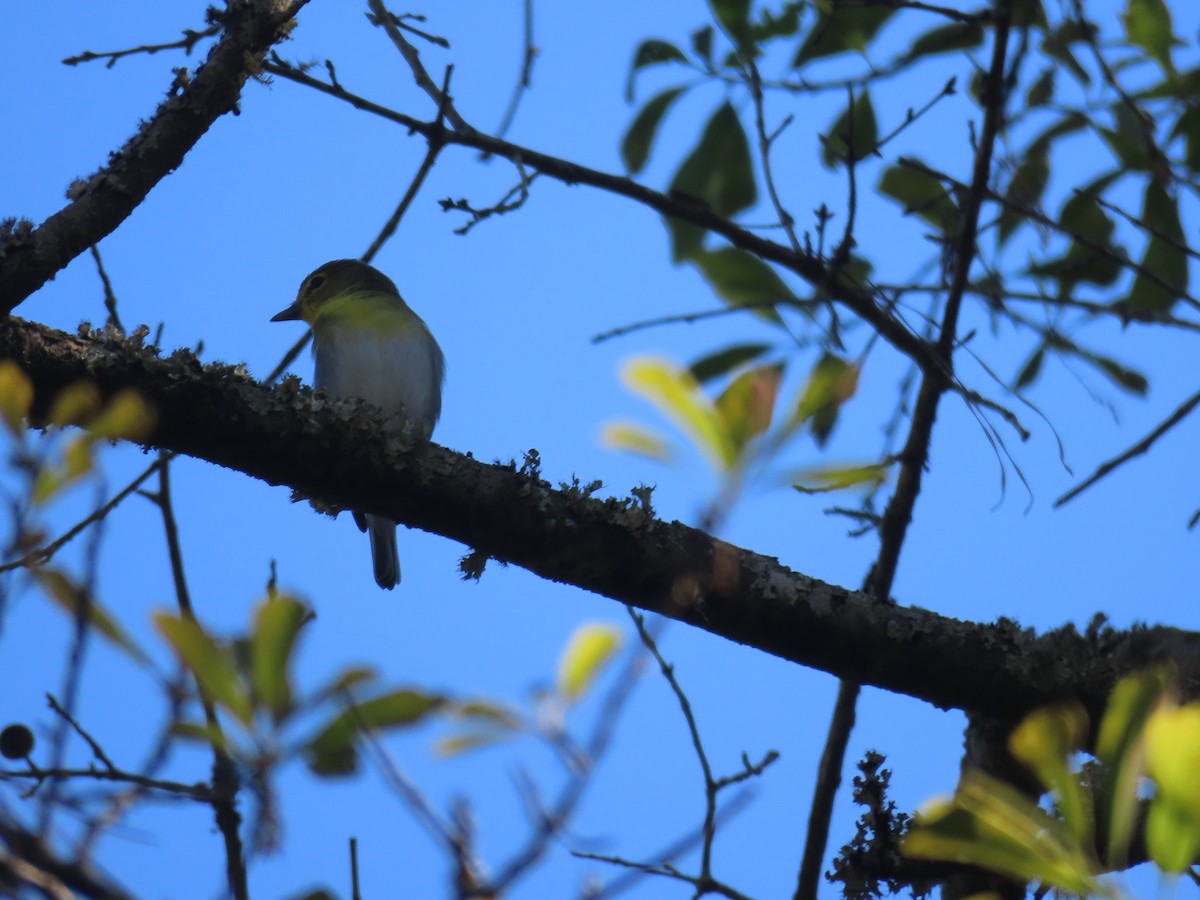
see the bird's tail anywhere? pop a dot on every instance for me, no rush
(384, 555)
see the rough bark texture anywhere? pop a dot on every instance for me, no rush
(340, 453)
(28, 259)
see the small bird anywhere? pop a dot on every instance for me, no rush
(368, 343)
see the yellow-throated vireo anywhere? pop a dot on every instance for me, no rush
(368, 343)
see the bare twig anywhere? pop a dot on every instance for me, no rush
(1136, 450)
(225, 782)
(411, 56)
(812, 269)
(893, 526)
(187, 43)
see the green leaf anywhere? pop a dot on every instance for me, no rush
(747, 404)
(1044, 742)
(1041, 91)
(16, 395)
(1130, 379)
(921, 193)
(851, 137)
(1032, 368)
(824, 479)
(332, 751)
(733, 17)
(1129, 139)
(742, 279)
(992, 825)
(720, 172)
(277, 623)
(126, 416)
(1166, 254)
(651, 52)
(634, 438)
(677, 393)
(1148, 25)
(1058, 45)
(944, 39)
(76, 404)
(213, 666)
(722, 362)
(75, 601)
(493, 714)
(831, 383)
(78, 460)
(456, 744)
(1025, 190)
(785, 23)
(1172, 836)
(1188, 125)
(702, 43)
(635, 146)
(589, 648)
(1118, 744)
(840, 28)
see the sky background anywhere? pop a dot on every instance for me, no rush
(299, 178)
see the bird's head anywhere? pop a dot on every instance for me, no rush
(333, 283)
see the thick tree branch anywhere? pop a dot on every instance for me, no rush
(339, 452)
(102, 202)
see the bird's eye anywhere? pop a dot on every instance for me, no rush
(315, 282)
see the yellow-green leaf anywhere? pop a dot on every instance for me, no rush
(747, 404)
(634, 438)
(77, 462)
(677, 393)
(126, 416)
(1148, 25)
(1172, 835)
(589, 648)
(76, 404)
(823, 479)
(990, 824)
(277, 623)
(1173, 755)
(1044, 742)
(831, 383)
(213, 666)
(1120, 749)
(454, 744)
(16, 395)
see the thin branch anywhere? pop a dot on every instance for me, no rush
(436, 141)
(110, 298)
(809, 267)
(225, 782)
(97, 750)
(412, 57)
(893, 526)
(524, 80)
(41, 555)
(187, 43)
(199, 792)
(1136, 450)
(99, 204)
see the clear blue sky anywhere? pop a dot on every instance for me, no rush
(297, 179)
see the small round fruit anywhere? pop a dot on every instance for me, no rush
(16, 742)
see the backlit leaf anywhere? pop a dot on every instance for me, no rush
(589, 648)
(921, 194)
(676, 392)
(16, 395)
(212, 665)
(851, 136)
(742, 279)
(634, 438)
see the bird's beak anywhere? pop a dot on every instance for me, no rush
(291, 314)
